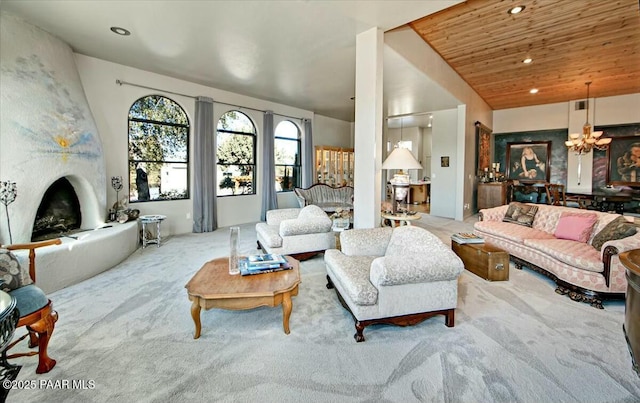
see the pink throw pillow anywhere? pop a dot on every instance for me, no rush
(575, 226)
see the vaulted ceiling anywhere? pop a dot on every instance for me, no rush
(570, 43)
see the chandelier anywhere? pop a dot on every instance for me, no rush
(589, 140)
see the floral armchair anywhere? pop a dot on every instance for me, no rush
(298, 232)
(397, 276)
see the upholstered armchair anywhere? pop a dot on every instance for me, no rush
(298, 232)
(36, 310)
(398, 276)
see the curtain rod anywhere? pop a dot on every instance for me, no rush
(121, 83)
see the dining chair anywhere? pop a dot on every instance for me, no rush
(36, 309)
(555, 194)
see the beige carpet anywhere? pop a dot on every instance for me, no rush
(129, 333)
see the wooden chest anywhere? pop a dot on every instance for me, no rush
(483, 260)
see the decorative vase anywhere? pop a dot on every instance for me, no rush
(234, 234)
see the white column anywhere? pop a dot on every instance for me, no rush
(368, 129)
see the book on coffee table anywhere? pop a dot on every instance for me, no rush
(467, 237)
(248, 268)
(269, 258)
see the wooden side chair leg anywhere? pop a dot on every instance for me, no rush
(44, 328)
(33, 339)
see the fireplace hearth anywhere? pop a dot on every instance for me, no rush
(59, 212)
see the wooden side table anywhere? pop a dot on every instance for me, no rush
(483, 260)
(151, 219)
(631, 327)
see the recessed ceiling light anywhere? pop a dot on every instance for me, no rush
(516, 10)
(533, 90)
(120, 31)
(527, 60)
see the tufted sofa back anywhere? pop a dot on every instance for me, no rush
(321, 193)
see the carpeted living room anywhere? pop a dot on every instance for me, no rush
(144, 125)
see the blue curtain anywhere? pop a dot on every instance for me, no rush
(269, 197)
(204, 168)
(307, 155)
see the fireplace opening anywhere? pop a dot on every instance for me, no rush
(59, 212)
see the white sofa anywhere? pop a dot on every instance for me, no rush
(580, 270)
(298, 232)
(397, 276)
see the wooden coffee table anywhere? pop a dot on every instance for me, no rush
(213, 287)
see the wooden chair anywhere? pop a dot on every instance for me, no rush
(555, 194)
(36, 311)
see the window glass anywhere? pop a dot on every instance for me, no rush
(158, 150)
(236, 154)
(287, 156)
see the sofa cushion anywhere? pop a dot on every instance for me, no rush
(353, 274)
(29, 299)
(12, 274)
(619, 228)
(269, 234)
(514, 233)
(521, 214)
(333, 206)
(573, 253)
(575, 226)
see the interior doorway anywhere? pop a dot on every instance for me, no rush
(414, 133)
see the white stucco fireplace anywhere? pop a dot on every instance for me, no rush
(47, 132)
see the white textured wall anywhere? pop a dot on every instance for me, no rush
(445, 180)
(111, 103)
(46, 128)
(332, 132)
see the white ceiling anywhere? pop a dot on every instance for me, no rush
(298, 52)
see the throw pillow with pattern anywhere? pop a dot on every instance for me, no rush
(12, 275)
(521, 214)
(617, 229)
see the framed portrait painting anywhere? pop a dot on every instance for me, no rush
(623, 161)
(483, 147)
(528, 161)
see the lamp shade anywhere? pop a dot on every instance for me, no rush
(401, 158)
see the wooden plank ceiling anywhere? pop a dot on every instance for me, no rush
(570, 41)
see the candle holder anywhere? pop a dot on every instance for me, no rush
(8, 194)
(116, 184)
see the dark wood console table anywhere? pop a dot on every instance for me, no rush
(603, 201)
(631, 327)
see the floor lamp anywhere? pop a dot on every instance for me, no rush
(401, 159)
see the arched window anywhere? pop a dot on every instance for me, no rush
(158, 150)
(236, 155)
(287, 156)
